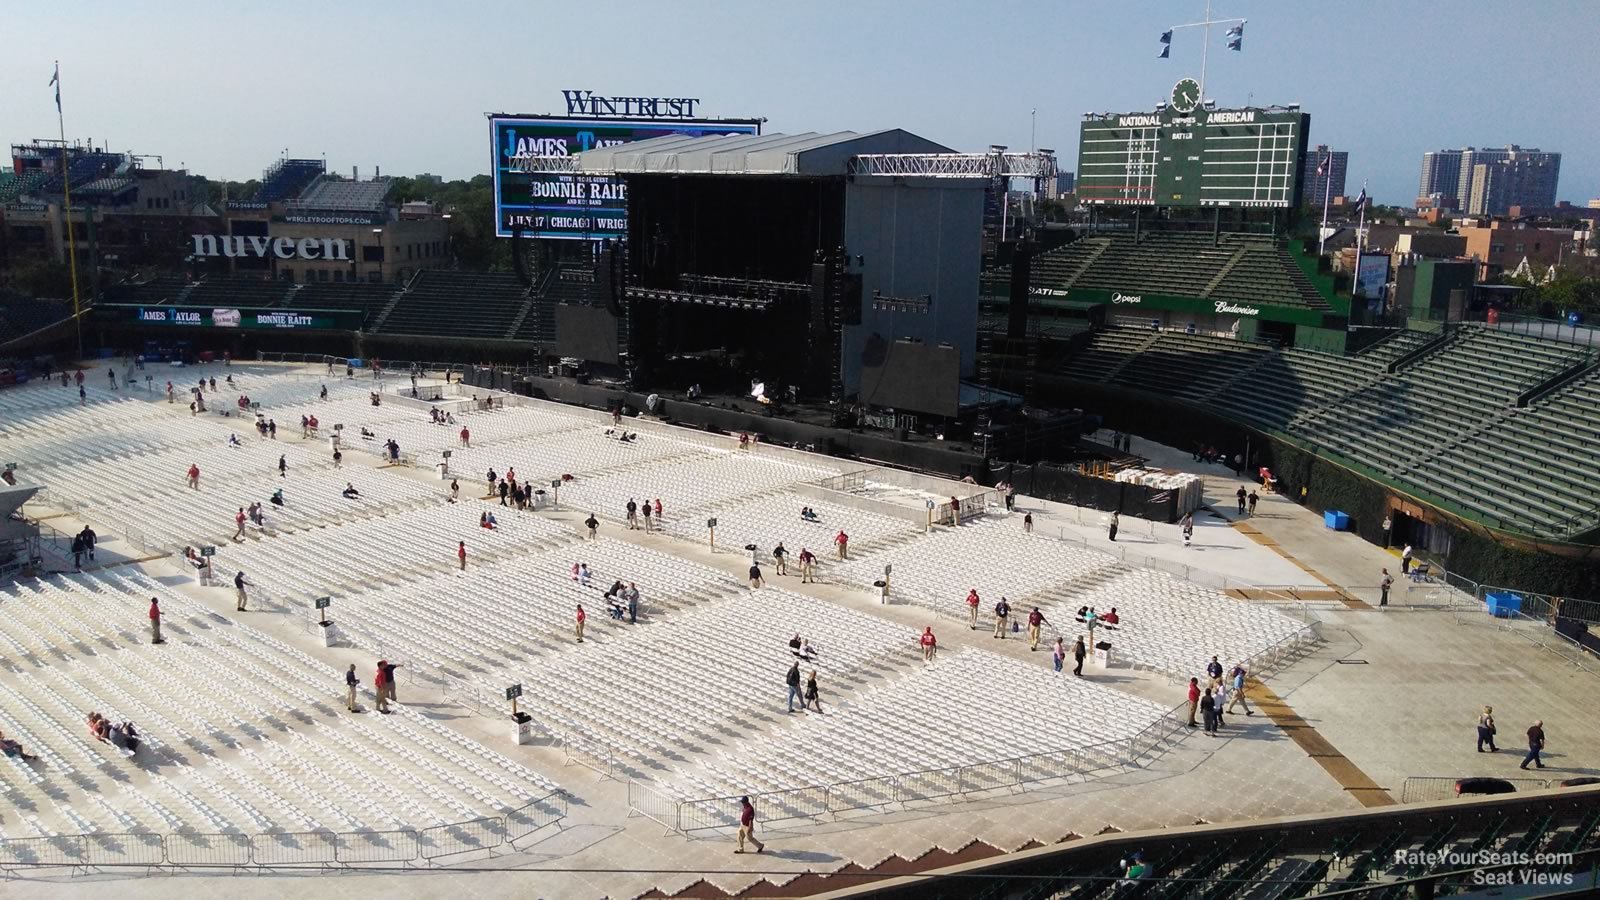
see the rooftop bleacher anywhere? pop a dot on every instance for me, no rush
(286, 178)
(329, 192)
(442, 303)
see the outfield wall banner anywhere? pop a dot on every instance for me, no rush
(245, 319)
(564, 205)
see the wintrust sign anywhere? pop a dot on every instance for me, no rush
(262, 246)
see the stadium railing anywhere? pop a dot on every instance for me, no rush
(325, 849)
(819, 800)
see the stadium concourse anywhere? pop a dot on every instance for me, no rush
(643, 734)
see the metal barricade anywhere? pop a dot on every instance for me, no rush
(865, 793)
(296, 848)
(532, 816)
(126, 849)
(192, 848)
(715, 812)
(378, 846)
(62, 850)
(462, 837)
(930, 784)
(653, 805)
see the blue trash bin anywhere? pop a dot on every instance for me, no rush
(1336, 520)
(1504, 605)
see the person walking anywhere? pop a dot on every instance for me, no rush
(793, 680)
(1243, 497)
(77, 552)
(593, 525)
(1239, 675)
(578, 625)
(461, 554)
(1002, 612)
(1194, 699)
(1486, 730)
(841, 544)
(808, 566)
(238, 520)
(1111, 530)
(466, 437)
(238, 587)
(1027, 523)
(1079, 651)
(780, 563)
(811, 692)
(972, 609)
(1535, 745)
(930, 644)
(1058, 656)
(351, 682)
(1254, 498)
(89, 540)
(747, 826)
(1036, 622)
(1187, 525)
(633, 515)
(455, 490)
(283, 466)
(1208, 711)
(155, 621)
(756, 580)
(1384, 584)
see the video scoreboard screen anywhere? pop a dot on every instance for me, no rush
(539, 204)
(1205, 157)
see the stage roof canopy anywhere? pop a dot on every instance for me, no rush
(805, 155)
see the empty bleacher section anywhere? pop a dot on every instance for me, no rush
(367, 299)
(1229, 267)
(13, 185)
(1445, 423)
(24, 315)
(85, 169)
(163, 290)
(220, 291)
(286, 178)
(457, 305)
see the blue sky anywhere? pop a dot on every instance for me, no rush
(224, 88)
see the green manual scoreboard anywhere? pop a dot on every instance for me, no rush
(1185, 154)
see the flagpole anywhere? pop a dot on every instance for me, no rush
(1205, 51)
(66, 183)
(1327, 198)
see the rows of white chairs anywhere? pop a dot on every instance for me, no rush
(585, 451)
(687, 484)
(240, 732)
(1169, 624)
(959, 710)
(764, 520)
(490, 624)
(363, 554)
(705, 675)
(171, 518)
(998, 559)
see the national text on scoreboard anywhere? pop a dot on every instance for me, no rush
(1242, 158)
(571, 206)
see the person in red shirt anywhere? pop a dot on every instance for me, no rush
(1110, 618)
(155, 621)
(239, 520)
(194, 476)
(972, 609)
(841, 543)
(1035, 622)
(380, 685)
(747, 825)
(1194, 700)
(808, 565)
(658, 509)
(930, 644)
(466, 437)
(461, 554)
(581, 618)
